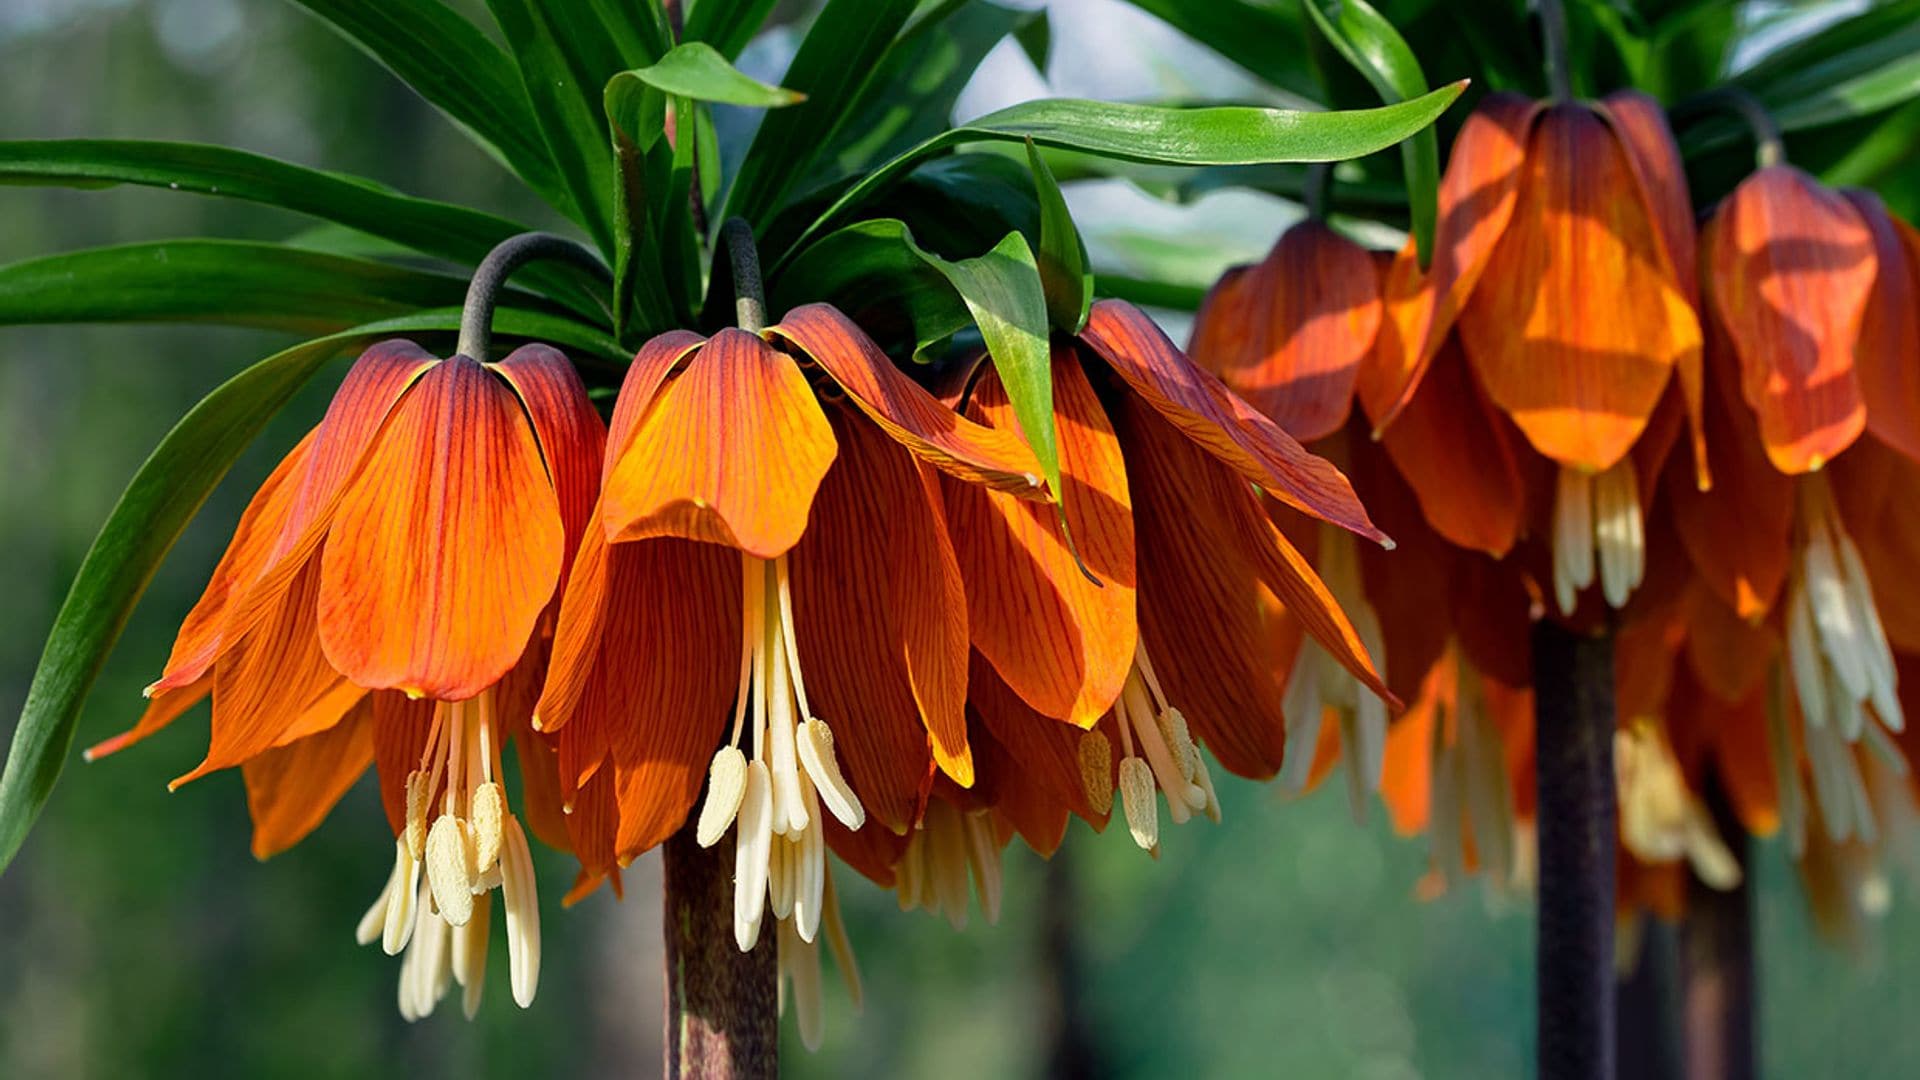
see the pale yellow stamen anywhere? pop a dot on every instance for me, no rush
(1317, 683)
(951, 847)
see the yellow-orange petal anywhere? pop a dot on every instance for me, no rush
(447, 546)
(1216, 419)
(729, 452)
(1792, 269)
(1577, 322)
(658, 684)
(1476, 200)
(934, 433)
(1289, 335)
(1062, 641)
(880, 621)
(1461, 459)
(291, 789)
(339, 445)
(656, 360)
(162, 709)
(1050, 772)
(1883, 358)
(1640, 123)
(1737, 534)
(275, 684)
(204, 634)
(569, 432)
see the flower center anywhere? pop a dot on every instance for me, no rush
(951, 847)
(1317, 682)
(1166, 757)
(780, 851)
(1597, 527)
(473, 846)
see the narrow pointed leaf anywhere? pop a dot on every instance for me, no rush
(727, 25)
(1370, 43)
(696, 70)
(1064, 272)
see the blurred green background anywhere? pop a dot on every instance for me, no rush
(139, 938)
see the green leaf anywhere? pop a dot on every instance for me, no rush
(1145, 292)
(163, 497)
(231, 282)
(1371, 44)
(727, 25)
(695, 70)
(431, 228)
(1000, 292)
(1222, 135)
(912, 96)
(636, 115)
(837, 58)
(565, 60)
(1267, 40)
(1064, 272)
(449, 62)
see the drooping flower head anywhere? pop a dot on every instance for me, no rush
(769, 572)
(377, 602)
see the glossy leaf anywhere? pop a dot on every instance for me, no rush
(232, 282)
(695, 70)
(1222, 135)
(162, 498)
(1064, 271)
(727, 25)
(449, 61)
(424, 225)
(1371, 44)
(840, 54)
(565, 66)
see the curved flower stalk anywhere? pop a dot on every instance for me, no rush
(1564, 268)
(384, 601)
(768, 570)
(1147, 585)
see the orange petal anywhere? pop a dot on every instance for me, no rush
(1204, 544)
(1729, 655)
(1481, 506)
(1046, 754)
(1201, 407)
(1737, 534)
(1291, 332)
(1577, 323)
(883, 657)
(873, 852)
(658, 682)
(373, 387)
(275, 684)
(447, 546)
(1793, 267)
(204, 634)
(935, 433)
(729, 452)
(1640, 124)
(592, 831)
(163, 709)
(1406, 766)
(1477, 197)
(401, 728)
(571, 437)
(656, 360)
(1408, 586)
(291, 789)
(1889, 328)
(1063, 642)
(1879, 496)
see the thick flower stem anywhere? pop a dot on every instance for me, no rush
(722, 1005)
(723, 1009)
(1553, 33)
(1716, 966)
(1573, 717)
(509, 255)
(1769, 146)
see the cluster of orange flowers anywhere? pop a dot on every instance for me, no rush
(1522, 403)
(785, 574)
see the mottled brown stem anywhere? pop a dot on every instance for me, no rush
(1071, 1049)
(1716, 966)
(1647, 1044)
(1573, 718)
(722, 1004)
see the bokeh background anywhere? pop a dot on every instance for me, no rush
(139, 938)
